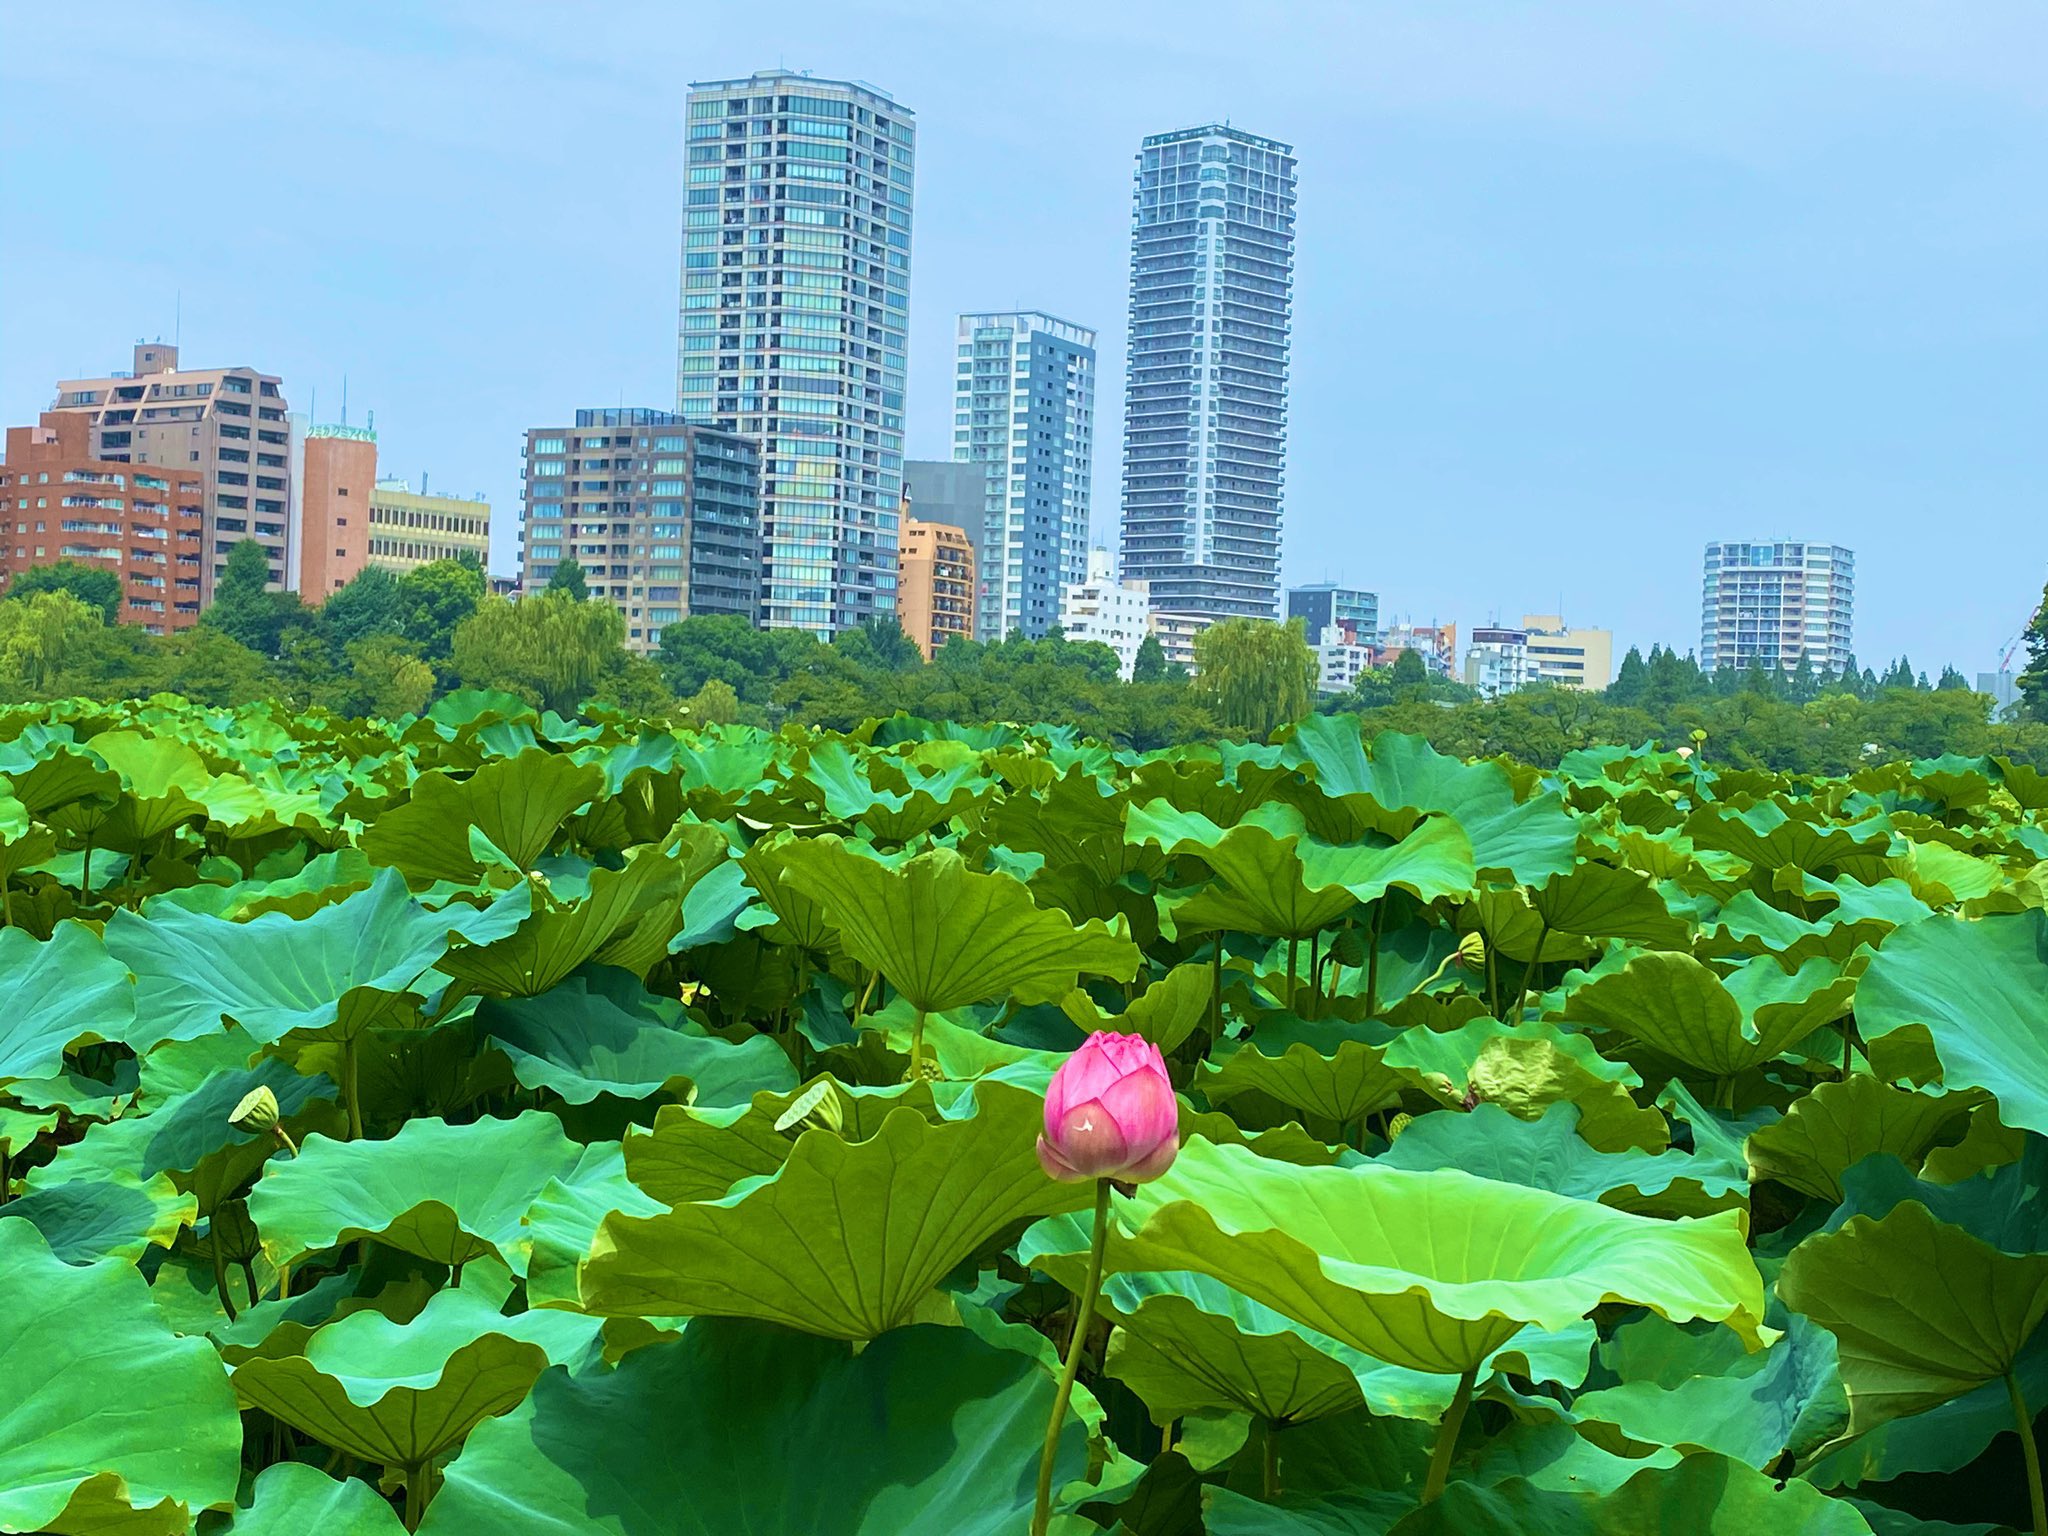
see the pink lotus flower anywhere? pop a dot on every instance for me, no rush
(1110, 1113)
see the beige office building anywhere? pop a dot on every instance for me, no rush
(409, 528)
(1571, 658)
(228, 424)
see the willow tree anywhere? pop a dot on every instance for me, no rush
(549, 648)
(1254, 675)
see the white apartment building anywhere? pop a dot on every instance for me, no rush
(1107, 611)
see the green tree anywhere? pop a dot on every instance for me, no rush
(1802, 687)
(244, 609)
(211, 668)
(1631, 682)
(713, 704)
(43, 639)
(2033, 678)
(727, 646)
(550, 649)
(387, 679)
(1951, 680)
(91, 584)
(372, 603)
(437, 598)
(1254, 675)
(1150, 665)
(880, 642)
(568, 581)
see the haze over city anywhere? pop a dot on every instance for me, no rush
(1573, 294)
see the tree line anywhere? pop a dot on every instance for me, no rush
(388, 645)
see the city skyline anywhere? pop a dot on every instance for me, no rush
(1562, 315)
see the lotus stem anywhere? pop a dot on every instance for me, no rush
(1372, 960)
(85, 875)
(1529, 976)
(1269, 1471)
(415, 1496)
(2030, 1452)
(1293, 949)
(1216, 992)
(917, 1045)
(1084, 1316)
(349, 1089)
(1447, 1437)
(220, 1276)
(1848, 1043)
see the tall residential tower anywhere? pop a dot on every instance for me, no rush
(1024, 409)
(1771, 602)
(1205, 416)
(795, 320)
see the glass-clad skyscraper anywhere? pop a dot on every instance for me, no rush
(794, 324)
(1024, 409)
(1205, 416)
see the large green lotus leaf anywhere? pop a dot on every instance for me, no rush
(1165, 1013)
(1830, 1130)
(846, 791)
(398, 1395)
(517, 803)
(1433, 1271)
(1327, 1067)
(1717, 1025)
(945, 936)
(1187, 1343)
(602, 1032)
(1527, 1068)
(1699, 1496)
(98, 1387)
(167, 783)
(1528, 840)
(562, 1223)
(1977, 989)
(448, 1193)
(625, 919)
(1548, 1153)
(1273, 878)
(341, 969)
(845, 1238)
(121, 1217)
(1922, 1310)
(61, 992)
(292, 1499)
(739, 1427)
(187, 1134)
(1698, 1390)
(320, 882)
(1770, 838)
(1601, 902)
(1862, 914)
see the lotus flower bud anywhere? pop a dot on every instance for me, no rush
(256, 1112)
(1110, 1113)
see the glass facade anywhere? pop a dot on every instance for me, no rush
(1024, 409)
(1329, 612)
(1205, 416)
(794, 324)
(1773, 601)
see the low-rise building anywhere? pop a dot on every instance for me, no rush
(1177, 631)
(1105, 611)
(410, 528)
(60, 501)
(1340, 663)
(935, 585)
(1497, 660)
(1570, 658)
(1324, 606)
(1436, 644)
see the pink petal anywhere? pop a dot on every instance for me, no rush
(1089, 1141)
(1144, 1108)
(1055, 1166)
(1153, 1164)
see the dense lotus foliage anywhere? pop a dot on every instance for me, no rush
(492, 1124)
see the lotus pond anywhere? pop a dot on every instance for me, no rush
(496, 1125)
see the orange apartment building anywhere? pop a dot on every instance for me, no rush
(334, 509)
(142, 521)
(935, 590)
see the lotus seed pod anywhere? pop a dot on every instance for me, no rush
(257, 1112)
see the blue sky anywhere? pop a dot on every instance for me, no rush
(1579, 286)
